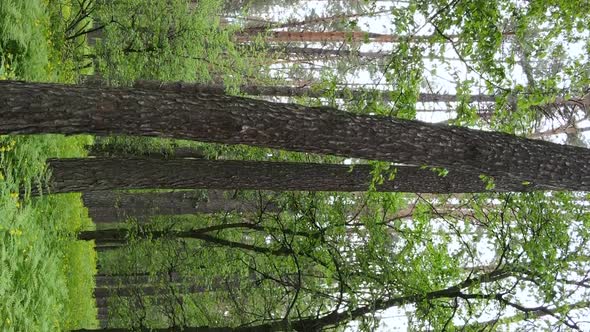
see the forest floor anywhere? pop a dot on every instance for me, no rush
(46, 275)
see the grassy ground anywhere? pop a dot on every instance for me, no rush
(46, 276)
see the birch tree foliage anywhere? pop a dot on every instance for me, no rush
(137, 41)
(484, 261)
(495, 39)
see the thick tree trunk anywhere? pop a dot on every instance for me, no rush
(33, 108)
(109, 206)
(101, 174)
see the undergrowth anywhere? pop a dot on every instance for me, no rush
(46, 275)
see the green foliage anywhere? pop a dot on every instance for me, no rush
(380, 172)
(47, 277)
(186, 44)
(69, 54)
(23, 44)
(488, 181)
(441, 171)
(467, 115)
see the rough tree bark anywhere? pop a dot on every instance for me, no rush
(101, 174)
(33, 108)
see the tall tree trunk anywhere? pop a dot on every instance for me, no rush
(109, 206)
(202, 234)
(294, 91)
(317, 52)
(101, 174)
(107, 150)
(108, 280)
(582, 103)
(266, 26)
(324, 53)
(33, 108)
(143, 290)
(329, 36)
(105, 246)
(127, 288)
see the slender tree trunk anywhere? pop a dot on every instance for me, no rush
(107, 280)
(329, 36)
(185, 286)
(100, 150)
(266, 26)
(33, 108)
(103, 174)
(317, 52)
(294, 91)
(105, 246)
(144, 290)
(582, 103)
(109, 206)
(122, 236)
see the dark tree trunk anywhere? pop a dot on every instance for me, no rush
(99, 174)
(144, 290)
(33, 108)
(184, 286)
(109, 206)
(108, 280)
(203, 234)
(105, 246)
(100, 150)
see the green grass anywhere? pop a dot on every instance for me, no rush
(23, 44)
(46, 276)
